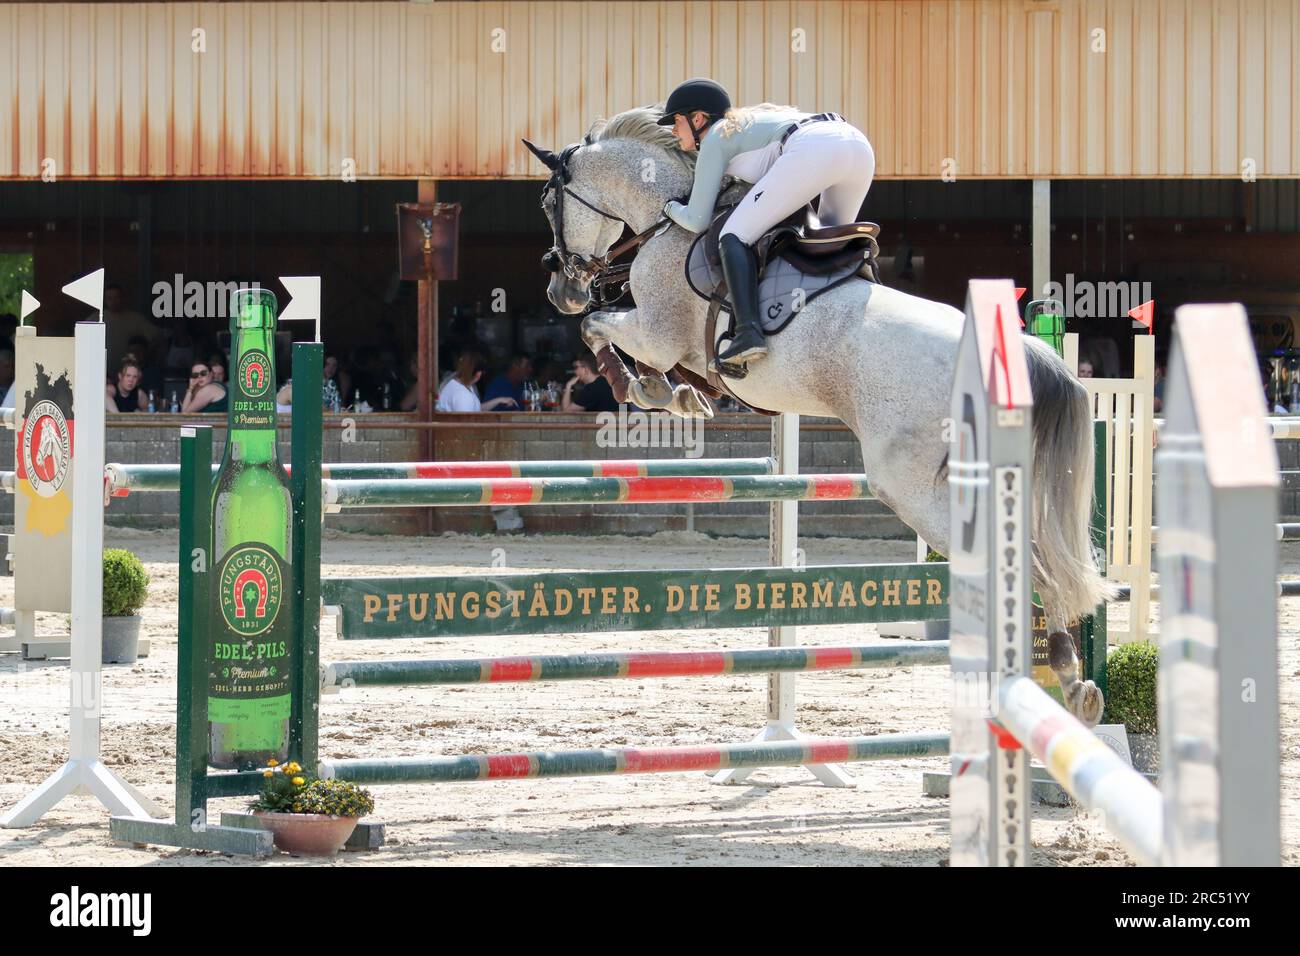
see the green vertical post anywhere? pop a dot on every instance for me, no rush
(193, 633)
(305, 484)
(195, 786)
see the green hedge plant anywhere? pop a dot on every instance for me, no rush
(1131, 671)
(126, 583)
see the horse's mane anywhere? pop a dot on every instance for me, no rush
(640, 123)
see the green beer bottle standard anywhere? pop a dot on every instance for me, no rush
(249, 688)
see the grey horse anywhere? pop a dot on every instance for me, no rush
(878, 359)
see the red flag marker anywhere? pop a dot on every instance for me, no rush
(1020, 293)
(1145, 314)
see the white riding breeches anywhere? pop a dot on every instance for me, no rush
(830, 159)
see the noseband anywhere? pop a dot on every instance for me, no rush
(607, 280)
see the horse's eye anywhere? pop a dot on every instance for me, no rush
(551, 261)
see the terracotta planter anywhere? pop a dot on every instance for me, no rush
(308, 834)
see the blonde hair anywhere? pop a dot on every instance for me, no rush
(740, 117)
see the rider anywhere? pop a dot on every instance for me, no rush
(790, 157)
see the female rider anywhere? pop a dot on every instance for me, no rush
(789, 156)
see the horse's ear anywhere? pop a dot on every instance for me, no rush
(545, 155)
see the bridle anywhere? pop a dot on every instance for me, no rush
(607, 280)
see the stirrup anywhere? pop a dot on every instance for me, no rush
(731, 370)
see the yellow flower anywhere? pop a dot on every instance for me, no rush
(273, 762)
(299, 781)
(292, 767)
(268, 774)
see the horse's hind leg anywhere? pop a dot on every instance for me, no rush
(1082, 698)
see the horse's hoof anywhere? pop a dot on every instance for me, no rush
(692, 405)
(652, 392)
(1091, 704)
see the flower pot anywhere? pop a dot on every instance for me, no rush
(121, 639)
(308, 834)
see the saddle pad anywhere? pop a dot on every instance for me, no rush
(777, 301)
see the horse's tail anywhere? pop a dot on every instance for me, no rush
(1065, 574)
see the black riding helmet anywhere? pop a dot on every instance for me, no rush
(697, 94)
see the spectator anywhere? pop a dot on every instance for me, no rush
(151, 374)
(126, 395)
(334, 371)
(121, 323)
(329, 372)
(203, 395)
(6, 368)
(510, 383)
(217, 362)
(587, 391)
(459, 394)
(1085, 368)
(1158, 403)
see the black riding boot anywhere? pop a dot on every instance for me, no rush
(740, 266)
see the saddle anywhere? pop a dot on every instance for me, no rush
(798, 260)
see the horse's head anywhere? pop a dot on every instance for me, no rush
(596, 187)
(582, 230)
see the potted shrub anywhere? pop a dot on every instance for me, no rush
(1131, 671)
(126, 586)
(309, 817)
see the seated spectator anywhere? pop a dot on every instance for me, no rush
(510, 383)
(217, 362)
(203, 395)
(1085, 369)
(141, 352)
(587, 391)
(459, 393)
(334, 371)
(126, 395)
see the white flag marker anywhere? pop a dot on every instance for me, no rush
(304, 300)
(90, 290)
(29, 305)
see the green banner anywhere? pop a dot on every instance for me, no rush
(557, 602)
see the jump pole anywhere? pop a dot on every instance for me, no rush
(123, 480)
(627, 665)
(601, 762)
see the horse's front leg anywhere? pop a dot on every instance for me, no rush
(649, 388)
